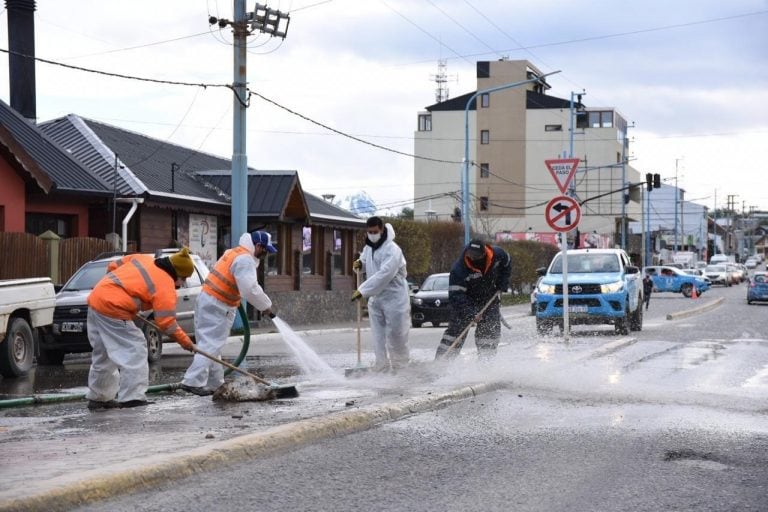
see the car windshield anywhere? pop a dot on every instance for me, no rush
(759, 278)
(716, 268)
(87, 277)
(435, 283)
(591, 262)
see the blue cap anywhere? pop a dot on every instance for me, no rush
(265, 239)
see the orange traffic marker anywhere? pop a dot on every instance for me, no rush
(694, 295)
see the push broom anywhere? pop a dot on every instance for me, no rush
(359, 368)
(280, 390)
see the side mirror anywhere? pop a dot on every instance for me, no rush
(631, 269)
(541, 271)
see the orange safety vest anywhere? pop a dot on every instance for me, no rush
(220, 282)
(135, 283)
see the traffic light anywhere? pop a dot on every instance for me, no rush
(656, 181)
(649, 181)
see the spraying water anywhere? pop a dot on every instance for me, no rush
(309, 361)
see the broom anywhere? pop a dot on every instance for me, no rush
(280, 390)
(359, 368)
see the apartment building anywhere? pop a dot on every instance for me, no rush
(511, 132)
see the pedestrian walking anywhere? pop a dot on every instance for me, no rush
(647, 289)
(386, 288)
(481, 272)
(232, 278)
(119, 373)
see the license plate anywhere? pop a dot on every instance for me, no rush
(578, 309)
(72, 327)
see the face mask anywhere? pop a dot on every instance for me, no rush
(374, 237)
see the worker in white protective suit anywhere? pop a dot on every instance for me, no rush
(386, 288)
(232, 278)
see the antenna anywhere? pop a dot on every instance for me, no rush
(441, 79)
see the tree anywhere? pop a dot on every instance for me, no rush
(406, 213)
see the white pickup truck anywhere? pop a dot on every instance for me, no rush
(26, 305)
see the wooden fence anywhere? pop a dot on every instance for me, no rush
(25, 255)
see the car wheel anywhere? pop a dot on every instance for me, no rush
(533, 309)
(416, 323)
(50, 357)
(435, 324)
(154, 344)
(622, 324)
(636, 322)
(543, 327)
(687, 290)
(17, 350)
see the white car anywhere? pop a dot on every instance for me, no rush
(69, 330)
(718, 274)
(751, 263)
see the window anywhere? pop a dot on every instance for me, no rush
(485, 170)
(599, 119)
(425, 122)
(307, 259)
(39, 223)
(485, 136)
(553, 128)
(485, 100)
(337, 251)
(483, 203)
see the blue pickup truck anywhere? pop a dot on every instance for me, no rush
(603, 288)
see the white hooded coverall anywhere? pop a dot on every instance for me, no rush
(389, 305)
(214, 319)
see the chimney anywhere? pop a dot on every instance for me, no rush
(21, 70)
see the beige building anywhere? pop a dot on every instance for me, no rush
(511, 133)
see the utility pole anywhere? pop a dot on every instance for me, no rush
(731, 201)
(677, 198)
(268, 21)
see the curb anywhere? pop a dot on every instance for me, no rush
(137, 475)
(700, 309)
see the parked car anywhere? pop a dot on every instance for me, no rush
(738, 271)
(430, 303)
(757, 289)
(718, 274)
(69, 330)
(667, 278)
(751, 263)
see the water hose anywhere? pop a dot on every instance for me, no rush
(158, 388)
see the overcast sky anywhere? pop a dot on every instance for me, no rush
(690, 74)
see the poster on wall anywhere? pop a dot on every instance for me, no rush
(202, 237)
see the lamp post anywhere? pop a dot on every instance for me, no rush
(465, 161)
(677, 199)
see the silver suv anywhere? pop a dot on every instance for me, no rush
(68, 333)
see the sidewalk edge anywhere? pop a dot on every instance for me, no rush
(259, 444)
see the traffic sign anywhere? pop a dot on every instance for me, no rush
(563, 214)
(563, 170)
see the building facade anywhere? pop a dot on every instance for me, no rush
(511, 132)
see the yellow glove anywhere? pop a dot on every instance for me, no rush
(357, 265)
(356, 295)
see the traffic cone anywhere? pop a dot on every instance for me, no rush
(694, 294)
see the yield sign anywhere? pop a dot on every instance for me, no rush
(562, 213)
(563, 171)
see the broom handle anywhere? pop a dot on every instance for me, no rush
(231, 366)
(469, 325)
(359, 315)
(209, 356)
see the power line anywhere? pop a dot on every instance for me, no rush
(343, 134)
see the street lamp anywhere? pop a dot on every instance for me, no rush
(465, 162)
